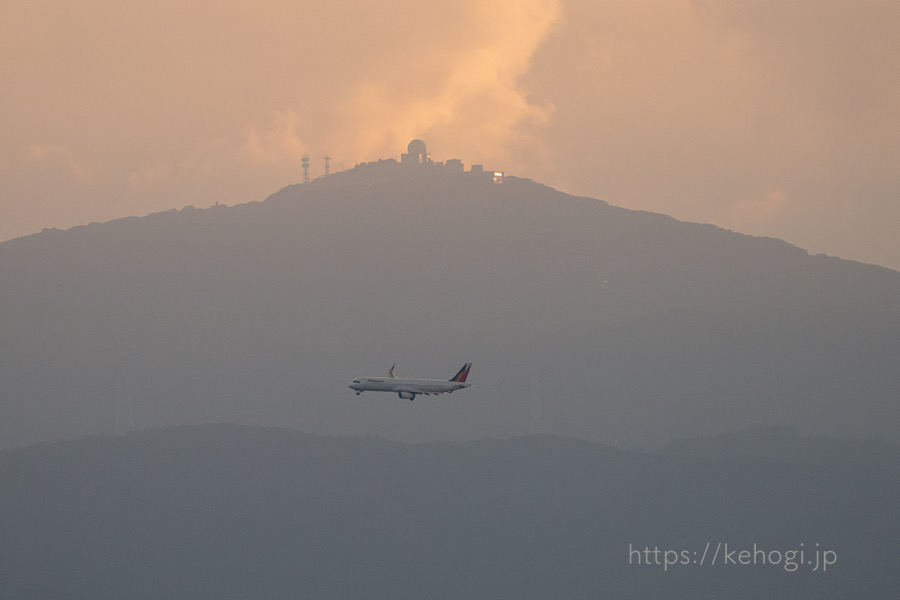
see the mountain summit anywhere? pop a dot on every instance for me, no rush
(582, 319)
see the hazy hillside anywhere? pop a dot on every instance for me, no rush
(609, 324)
(239, 512)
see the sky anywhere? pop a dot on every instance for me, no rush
(765, 117)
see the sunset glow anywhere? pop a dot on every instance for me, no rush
(776, 119)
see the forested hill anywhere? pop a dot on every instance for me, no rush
(593, 321)
(241, 512)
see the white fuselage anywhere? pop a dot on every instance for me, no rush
(406, 387)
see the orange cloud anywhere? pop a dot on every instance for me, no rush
(463, 91)
(677, 106)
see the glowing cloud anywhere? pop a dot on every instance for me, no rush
(464, 90)
(695, 109)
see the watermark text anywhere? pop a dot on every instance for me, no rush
(812, 558)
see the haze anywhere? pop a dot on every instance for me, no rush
(768, 118)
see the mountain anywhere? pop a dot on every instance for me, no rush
(240, 512)
(582, 319)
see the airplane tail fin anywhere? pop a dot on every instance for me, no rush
(462, 374)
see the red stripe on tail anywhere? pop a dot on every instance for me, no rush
(463, 373)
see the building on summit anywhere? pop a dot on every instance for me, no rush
(416, 154)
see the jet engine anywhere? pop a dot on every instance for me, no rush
(407, 395)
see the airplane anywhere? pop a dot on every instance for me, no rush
(408, 388)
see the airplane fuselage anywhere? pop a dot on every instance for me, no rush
(409, 388)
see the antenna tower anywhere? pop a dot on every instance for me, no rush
(305, 161)
(327, 165)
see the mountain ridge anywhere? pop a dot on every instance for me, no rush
(622, 325)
